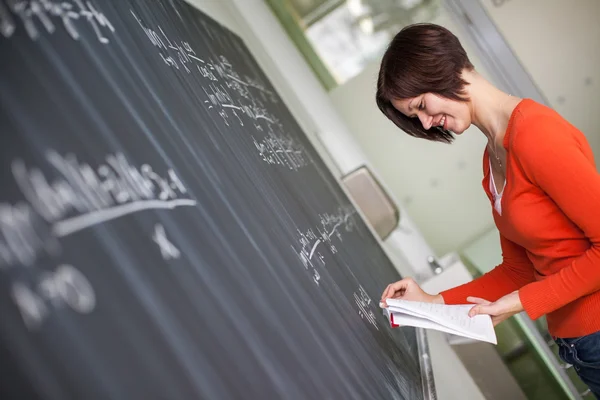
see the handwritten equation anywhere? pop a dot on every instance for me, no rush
(168, 250)
(79, 196)
(236, 99)
(53, 290)
(73, 196)
(281, 149)
(309, 241)
(44, 15)
(365, 306)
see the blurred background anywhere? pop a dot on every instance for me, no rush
(424, 200)
(540, 49)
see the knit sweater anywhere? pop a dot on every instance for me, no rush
(550, 224)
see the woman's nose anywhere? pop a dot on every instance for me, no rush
(426, 120)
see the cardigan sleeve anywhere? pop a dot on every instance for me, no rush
(515, 271)
(556, 157)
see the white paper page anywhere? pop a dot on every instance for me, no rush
(400, 312)
(410, 320)
(402, 319)
(455, 317)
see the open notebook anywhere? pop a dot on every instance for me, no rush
(452, 319)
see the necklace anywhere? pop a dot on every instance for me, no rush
(496, 155)
(494, 151)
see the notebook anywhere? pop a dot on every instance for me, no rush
(453, 319)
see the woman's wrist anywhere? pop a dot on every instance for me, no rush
(438, 299)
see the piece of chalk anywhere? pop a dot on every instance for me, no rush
(381, 304)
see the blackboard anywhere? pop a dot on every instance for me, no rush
(167, 231)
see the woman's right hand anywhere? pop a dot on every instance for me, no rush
(408, 289)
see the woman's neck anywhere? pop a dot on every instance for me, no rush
(491, 108)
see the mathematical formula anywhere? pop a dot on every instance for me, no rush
(309, 240)
(43, 15)
(53, 290)
(79, 197)
(273, 144)
(331, 226)
(365, 306)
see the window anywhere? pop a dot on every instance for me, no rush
(340, 37)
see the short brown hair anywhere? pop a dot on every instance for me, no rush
(422, 58)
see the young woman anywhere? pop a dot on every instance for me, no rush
(541, 180)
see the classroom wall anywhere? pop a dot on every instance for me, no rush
(310, 104)
(557, 41)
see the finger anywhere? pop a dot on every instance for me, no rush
(481, 309)
(499, 318)
(384, 294)
(389, 292)
(477, 300)
(473, 311)
(398, 288)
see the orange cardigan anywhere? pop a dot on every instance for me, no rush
(550, 224)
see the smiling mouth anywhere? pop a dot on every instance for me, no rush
(442, 123)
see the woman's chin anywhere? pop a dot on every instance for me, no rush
(458, 131)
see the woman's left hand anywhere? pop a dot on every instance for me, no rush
(502, 309)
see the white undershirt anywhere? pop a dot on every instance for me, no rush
(497, 196)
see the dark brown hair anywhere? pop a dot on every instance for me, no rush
(422, 58)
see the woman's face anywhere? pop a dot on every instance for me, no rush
(434, 110)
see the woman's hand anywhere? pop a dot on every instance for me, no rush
(502, 309)
(408, 289)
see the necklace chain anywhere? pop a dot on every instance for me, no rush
(494, 150)
(496, 155)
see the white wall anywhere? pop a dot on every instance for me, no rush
(438, 184)
(485, 252)
(309, 103)
(557, 42)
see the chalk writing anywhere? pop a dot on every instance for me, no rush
(41, 15)
(53, 290)
(237, 100)
(76, 197)
(365, 306)
(333, 223)
(309, 240)
(281, 149)
(167, 248)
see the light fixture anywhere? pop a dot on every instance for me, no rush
(366, 25)
(356, 7)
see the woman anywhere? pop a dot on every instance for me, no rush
(540, 177)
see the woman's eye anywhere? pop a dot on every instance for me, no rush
(421, 106)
